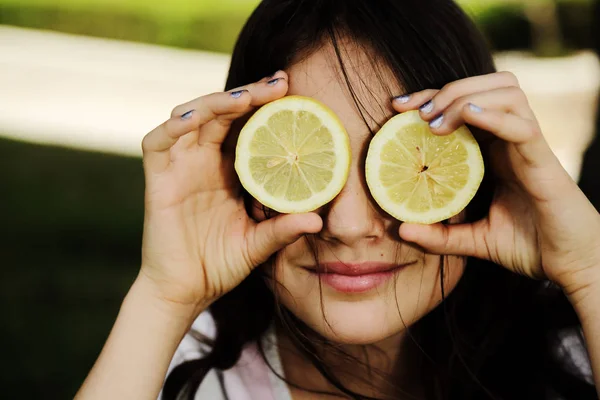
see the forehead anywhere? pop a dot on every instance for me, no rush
(321, 77)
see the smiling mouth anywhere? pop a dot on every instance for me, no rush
(356, 277)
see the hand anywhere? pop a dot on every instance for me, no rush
(199, 241)
(539, 223)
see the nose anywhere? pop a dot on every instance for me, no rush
(351, 217)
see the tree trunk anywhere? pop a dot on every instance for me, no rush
(545, 26)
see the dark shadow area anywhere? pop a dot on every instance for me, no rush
(70, 239)
(590, 177)
(590, 174)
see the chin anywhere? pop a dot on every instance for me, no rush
(368, 317)
(352, 320)
(358, 323)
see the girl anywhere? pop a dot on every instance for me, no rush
(489, 304)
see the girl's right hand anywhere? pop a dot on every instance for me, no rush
(199, 242)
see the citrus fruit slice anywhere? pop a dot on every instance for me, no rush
(420, 177)
(293, 155)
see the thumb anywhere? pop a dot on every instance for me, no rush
(273, 234)
(457, 240)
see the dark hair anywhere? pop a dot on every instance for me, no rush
(498, 335)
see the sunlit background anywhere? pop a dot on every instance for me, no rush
(82, 81)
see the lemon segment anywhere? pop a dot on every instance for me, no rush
(420, 177)
(293, 155)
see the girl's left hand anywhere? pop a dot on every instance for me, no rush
(539, 223)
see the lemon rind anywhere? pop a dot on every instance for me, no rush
(400, 211)
(341, 149)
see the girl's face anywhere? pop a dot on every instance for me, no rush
(383, 284)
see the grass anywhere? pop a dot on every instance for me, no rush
(214, 24)
(186, 9)
(200, 24)
(173, 9)
(70, 244)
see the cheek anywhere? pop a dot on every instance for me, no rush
(369, 318)
(454, 268)
(284, 268)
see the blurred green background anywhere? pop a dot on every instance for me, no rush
(214, 24)
(72, 220)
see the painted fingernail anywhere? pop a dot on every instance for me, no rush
(273, 82)
(237, 94)
(403, 99)
(475, 108)
(188, 114)
(427, 107)
(437, 122)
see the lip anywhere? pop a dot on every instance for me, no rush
(356, 277)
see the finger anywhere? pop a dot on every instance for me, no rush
(215, 112)
(457, 240)
(157, 143)
(524, 133)
(215, 131)
(278, 74)
(259, 94)
(454, 90)
(261, 91)
(508, 99)
(412, 101)
(273, 234)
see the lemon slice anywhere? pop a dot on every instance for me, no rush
(293, 155)
(420, 177)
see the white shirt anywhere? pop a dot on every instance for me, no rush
(250, 379)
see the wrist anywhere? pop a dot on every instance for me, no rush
(140, 347)
(584, 283)
(145, 291)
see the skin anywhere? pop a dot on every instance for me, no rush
(199, 243)
(355, 229)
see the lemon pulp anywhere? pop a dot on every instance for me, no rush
(420, 177)
(293, 155)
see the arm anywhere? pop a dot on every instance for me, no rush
(198, 243)
(135, 358)
(586, 302)
(539, 223)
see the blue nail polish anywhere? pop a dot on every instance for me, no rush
(237, 94)
(403, 99)
(273, 82)
(188, 114)
(437, 122)
(427, 107)
(475, 108)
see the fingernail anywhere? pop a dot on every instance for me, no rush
(273, 82)
(437, 122)
(427, 107)
(237, 93)
(402, 99)
(475, 108)
(188, 114)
